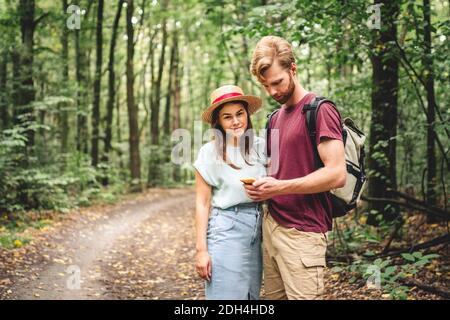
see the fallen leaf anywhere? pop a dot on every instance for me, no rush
(18, 243)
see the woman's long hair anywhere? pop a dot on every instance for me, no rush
(220, 138)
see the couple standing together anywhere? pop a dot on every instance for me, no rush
(235, 239)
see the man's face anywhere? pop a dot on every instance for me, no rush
(279, 82)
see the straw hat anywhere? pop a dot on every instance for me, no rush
(230, 93)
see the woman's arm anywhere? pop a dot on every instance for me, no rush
(202, 208)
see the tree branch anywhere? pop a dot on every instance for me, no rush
(418, 202)
(403, 56)
(424, 245)
(436, 137)
(426, 287)
(36, 22)
(432, 211)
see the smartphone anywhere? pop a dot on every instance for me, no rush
(248, 180)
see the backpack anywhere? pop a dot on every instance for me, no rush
(343, 199)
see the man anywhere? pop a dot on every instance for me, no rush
(300, 212)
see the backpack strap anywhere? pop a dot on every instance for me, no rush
(310, 110)
(269, 119)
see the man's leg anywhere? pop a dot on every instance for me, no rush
(301, 261)
(273, 283)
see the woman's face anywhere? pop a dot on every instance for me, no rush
(233, 119)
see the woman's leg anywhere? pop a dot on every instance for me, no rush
(236, 257)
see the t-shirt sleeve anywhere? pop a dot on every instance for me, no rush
(328, 123)
(206, 165)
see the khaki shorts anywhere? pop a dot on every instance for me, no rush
(294, 262)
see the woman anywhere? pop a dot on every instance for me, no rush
(229, 254)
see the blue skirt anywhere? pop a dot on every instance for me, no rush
(234, 244)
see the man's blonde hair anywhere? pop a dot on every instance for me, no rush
(269, 49)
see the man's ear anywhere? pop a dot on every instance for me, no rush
(293, 68)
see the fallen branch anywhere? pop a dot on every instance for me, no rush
(418, 202)
(433, 289)
(436, 241)
(432, 211)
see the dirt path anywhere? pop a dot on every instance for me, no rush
(94, 247)
(142, 248)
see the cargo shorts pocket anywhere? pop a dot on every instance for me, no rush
(314, 267)
(312, 261)
(312, 251)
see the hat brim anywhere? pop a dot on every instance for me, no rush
(254, 104)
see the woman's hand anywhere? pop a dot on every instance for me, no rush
(203, 265)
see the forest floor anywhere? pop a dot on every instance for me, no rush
(141, 248)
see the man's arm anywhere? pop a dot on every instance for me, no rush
(331, 176)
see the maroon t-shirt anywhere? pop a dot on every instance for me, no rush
(305, 212)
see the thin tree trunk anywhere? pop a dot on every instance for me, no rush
(383, 129)
(4, 112)
(135, 162)
(172, 74)
(152, 78)
(15, 59)
(64, 116)
(153, 176)
(118, 125)
(154, 117)
(177, 91)
(83, 81)
(111, 87)
(81, 77)
(26, 93)
(429, 82)
(97, 85)
(176, 106)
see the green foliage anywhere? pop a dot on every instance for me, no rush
(59, 183)
(386, 274)
(12, 232)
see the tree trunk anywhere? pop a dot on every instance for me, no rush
(135, 165)
(4, 112)
(97, 86)
(26, 90)
(154, 117)
(172, 72)
(429, 82)
(177, 92)
(111, 87)
(383, 129)
(64, 116)
(118, 127)
(83, 81)
(154, 173)
(15, 59)
(81, 77)
(176, 106)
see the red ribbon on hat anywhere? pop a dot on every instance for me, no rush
(228, 95)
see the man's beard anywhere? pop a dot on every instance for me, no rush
(290, 91)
